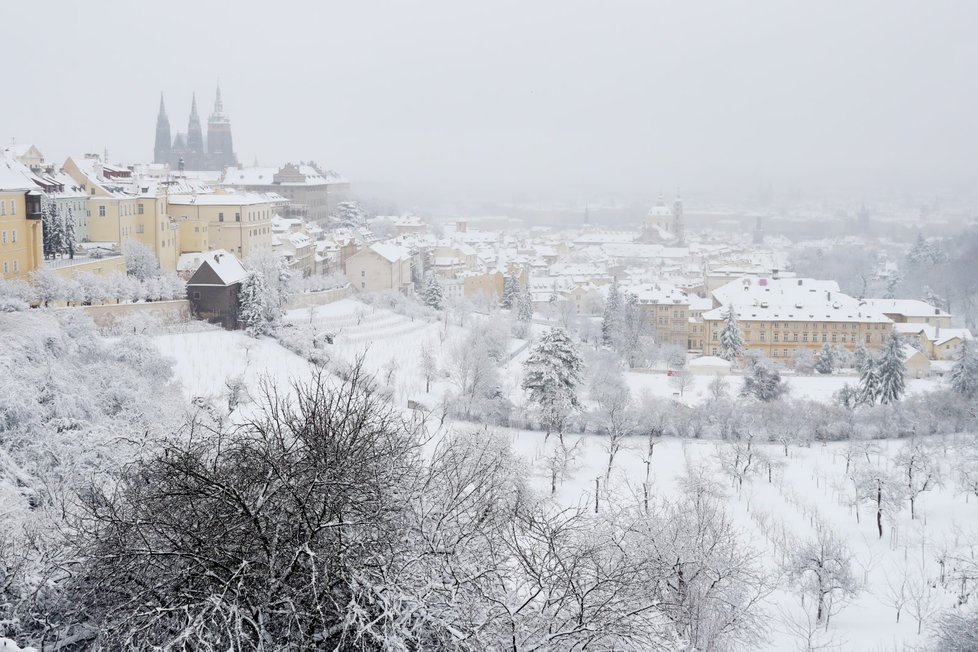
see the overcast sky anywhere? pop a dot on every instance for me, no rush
(517, 98)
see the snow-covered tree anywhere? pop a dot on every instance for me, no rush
(920, 470)
(891, 370)
(524, 306)
(869, 380)
(763, 381)
(731, 337)
(822, 568)
(613, 319)
(964, 373)
(140, 261)
(825, 361)
(433, 295)
(279, 281)
(68, 239)
(52, 230)
(882, 490)
(552, 375)
(511, 290)
(255, 309)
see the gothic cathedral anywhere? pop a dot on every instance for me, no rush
(187, 151)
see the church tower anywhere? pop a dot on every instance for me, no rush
(678, 227)
(195, 139)
(220, 147)
(161, 151)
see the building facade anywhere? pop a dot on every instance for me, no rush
(20, 224)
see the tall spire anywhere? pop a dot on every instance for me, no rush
(161, 151)
(218, 104)
(195, 138)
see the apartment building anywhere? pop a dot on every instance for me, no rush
(238, 222)
(20, 223)
(780, 316)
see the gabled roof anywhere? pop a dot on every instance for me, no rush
(219, 266)
(391, 252)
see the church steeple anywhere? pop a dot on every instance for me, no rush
(195, 138)
(161, 151)
(218, 104)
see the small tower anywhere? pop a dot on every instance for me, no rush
(161, 151)
(195, 138)
(678, 228)
(220, 147)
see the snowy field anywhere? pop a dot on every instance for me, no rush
(777, 505)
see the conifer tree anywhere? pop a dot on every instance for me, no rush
(68, 241)
(511, 288)
(433, 292)
(254, 308)
(524, 307)
(869, 380)
(731, 337)
(552, 376)
(891, 370)
(613, 319)
(825, 360)
(964, 373)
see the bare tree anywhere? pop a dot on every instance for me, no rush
(920, 471)
(822, 568)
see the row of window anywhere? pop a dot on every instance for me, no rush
(6, 267)
(13, 236)
(125, 210)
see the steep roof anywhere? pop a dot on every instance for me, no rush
(222, 265)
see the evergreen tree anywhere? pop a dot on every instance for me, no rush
(825, 360)
(254, 308)
(68, 241)
(763, 381)
(891, 370)
(612, 321)
(433, 292)
(861, 358)
(964, 373)
(731, 337)
(524, 306)
(869, 380)
(552, 376)
(511, 288)
(50, 230)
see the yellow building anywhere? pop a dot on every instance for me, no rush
(122, 207)
(240, 223)
(780, 316)
(20, 224)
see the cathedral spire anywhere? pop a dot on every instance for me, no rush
(218, 104)
(161, 150)
(195, 138)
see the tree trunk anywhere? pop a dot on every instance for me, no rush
(879, 509)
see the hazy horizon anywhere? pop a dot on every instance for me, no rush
(510, 101)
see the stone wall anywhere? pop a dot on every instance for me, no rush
(307, 299)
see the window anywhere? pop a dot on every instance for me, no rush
(101, 210)
(363, 273)
(13, 207)
(3, 207)
(237, 217)
(16, 266)
(362, 284)
(140, 209)
(14, 235)
(804, 337)
(796, 337)
(5, 270)
(196, 295)
(4, 238)
(825, 337)
(774, 353)
(786, 353)
(868, 337)
(220, 217)
(776, 338)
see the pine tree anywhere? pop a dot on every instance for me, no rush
(731, 337)
(763, 381)
(861, 358)
(964, 373)
(68, 234)
(892, 370)
(511, 288)
(254, 309)
(433, 292)
(869, 380)
(49, 230)
(552, 376)
(612, 321)
(524, 306)
(825, 360)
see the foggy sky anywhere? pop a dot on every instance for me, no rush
(516, 98)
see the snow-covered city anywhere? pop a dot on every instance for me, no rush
(403, 358)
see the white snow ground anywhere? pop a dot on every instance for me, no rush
(811, 484)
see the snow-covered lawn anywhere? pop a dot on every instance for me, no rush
(809, 484)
